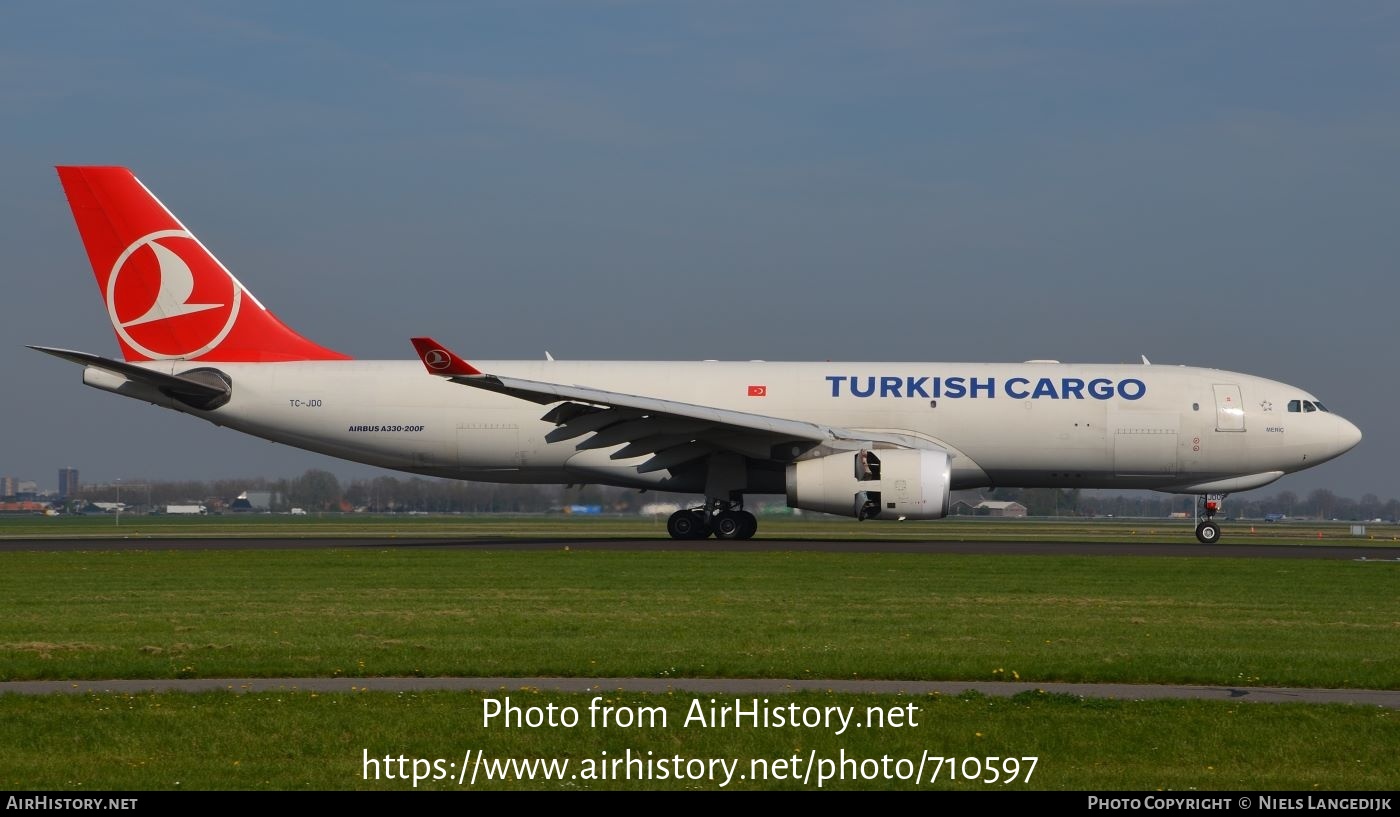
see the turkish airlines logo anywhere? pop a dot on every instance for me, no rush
(758, 391)
(437, 359)
(168, 298)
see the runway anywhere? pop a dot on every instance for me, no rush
(1389, 699)
(1372, 553)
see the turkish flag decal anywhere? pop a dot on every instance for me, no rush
(758, 391)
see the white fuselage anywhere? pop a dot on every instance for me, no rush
(1171, 428)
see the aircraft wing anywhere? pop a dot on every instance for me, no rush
(672, 432)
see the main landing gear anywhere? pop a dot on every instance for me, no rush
(1207, 531)
(723, 518)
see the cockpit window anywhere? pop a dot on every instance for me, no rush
(1306, 406)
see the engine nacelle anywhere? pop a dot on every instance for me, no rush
(887, 484)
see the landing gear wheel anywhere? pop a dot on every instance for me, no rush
(735, 525)
(750, 525)
(687, 525)
(702, 525)
(1208, 533)
(729, 525)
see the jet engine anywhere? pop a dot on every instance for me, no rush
(893, 483)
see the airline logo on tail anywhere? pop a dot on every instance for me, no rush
(152, 281)
(437, 359)
(167, 295)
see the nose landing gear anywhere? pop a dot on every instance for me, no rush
(1207, 531)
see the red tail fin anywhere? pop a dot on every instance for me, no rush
(167, 295)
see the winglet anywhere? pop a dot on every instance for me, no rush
(440, 360)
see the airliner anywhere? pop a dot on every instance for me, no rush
(876, 441)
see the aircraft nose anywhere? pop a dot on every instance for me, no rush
(1348, 435)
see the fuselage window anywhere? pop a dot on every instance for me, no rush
(1308, 407)
(1195, 406)
(1295, 406)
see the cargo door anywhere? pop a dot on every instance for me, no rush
(1145, 444)
(489, 445)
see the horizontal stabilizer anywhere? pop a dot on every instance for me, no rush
(202, 389)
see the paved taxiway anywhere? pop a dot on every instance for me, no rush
(727, 686)
(1378, 553)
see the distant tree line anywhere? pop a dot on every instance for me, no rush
(320, 491)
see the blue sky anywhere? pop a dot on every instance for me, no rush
(1204, 183)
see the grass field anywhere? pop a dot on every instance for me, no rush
(428, 611)
(308, 741)
(376, 611)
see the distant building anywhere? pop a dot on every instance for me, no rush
(991, 507)
(986, 507)
(67, 482)
(26, 487)
(962, 508)
(252, 502)
(8, 486)
(23, 507)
